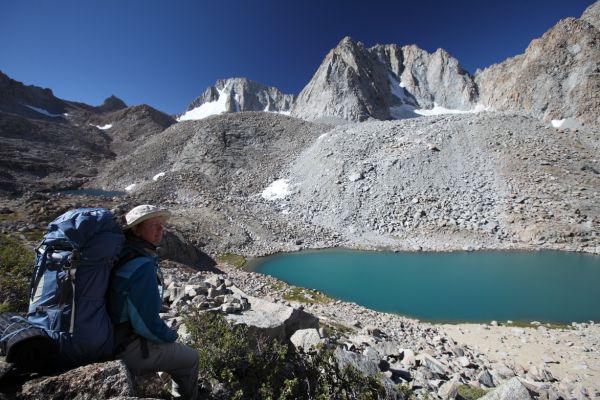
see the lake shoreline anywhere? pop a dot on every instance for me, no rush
(579, 345)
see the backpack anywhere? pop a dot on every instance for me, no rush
(68, 294)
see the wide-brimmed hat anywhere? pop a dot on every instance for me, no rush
(144, 212)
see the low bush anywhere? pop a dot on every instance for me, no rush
(303, 295)
(232, 259)
(16, 266)
(468, 392)
(253, 367)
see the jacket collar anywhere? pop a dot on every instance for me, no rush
(138, 245)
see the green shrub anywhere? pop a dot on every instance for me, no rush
(249, 366)
(16, 266)
(468, 392)
(252, 367)
(232, 259)
(303, 295)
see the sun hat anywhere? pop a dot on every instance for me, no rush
(144, 212)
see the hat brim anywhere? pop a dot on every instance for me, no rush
(160, 213)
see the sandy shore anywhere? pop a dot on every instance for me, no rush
(571, 355)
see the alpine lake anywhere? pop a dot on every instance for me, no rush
(545, 286)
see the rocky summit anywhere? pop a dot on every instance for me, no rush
(388, 147)
(384, 82)
(237, 95)
(557, 77)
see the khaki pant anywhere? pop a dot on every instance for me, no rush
(180, 361)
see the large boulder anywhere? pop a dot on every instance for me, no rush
(306, 339)
(94, 381)
(512, 389)
(273, 320)
(367, 366)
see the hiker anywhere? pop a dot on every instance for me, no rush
(143, 341)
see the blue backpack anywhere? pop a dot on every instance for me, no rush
(68, 292)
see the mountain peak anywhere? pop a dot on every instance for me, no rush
(383, 82)
(112, 103)
(236, 95)
(592, 14)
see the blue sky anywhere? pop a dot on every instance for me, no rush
(165, 53)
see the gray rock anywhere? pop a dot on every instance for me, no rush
(305, 339)
(95, 381)
(433, 365)
(361, 363)
(463, 361)
(501, 372)
(387, 349)
(486, 379)
(408, 358)
(271, 319)
(449, 390)
(512, 389)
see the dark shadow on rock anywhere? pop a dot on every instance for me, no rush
(175, 248)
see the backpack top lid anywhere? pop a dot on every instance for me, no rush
(95, 232)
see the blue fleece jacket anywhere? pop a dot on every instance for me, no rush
(134, 295)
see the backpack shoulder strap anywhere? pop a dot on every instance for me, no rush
(127, 269)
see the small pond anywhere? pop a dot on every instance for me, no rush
(547, 286)
(93, 192)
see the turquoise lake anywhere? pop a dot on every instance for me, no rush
(544, 286)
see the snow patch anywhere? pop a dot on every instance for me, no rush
(42, 111)
(103, 127)
(322, 136)
(277, 190)
(276, 112)
(398, 90)
(439, 110)
(131, 187)
(216, 107)
(567, 123)
(237, 102)
(158, 176)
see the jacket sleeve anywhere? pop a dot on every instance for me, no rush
(144, 305)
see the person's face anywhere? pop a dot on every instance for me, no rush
(151, 230)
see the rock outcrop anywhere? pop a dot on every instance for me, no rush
(112, 103)
(131, 126)
(435, 78)
(95, 381)
(592, 14)
(349, 84)
(237, 95)
(383, 82)
(557, 77)
(29, 101)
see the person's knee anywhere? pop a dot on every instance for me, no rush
(190, 355)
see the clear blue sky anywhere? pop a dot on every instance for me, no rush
(165, 53)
